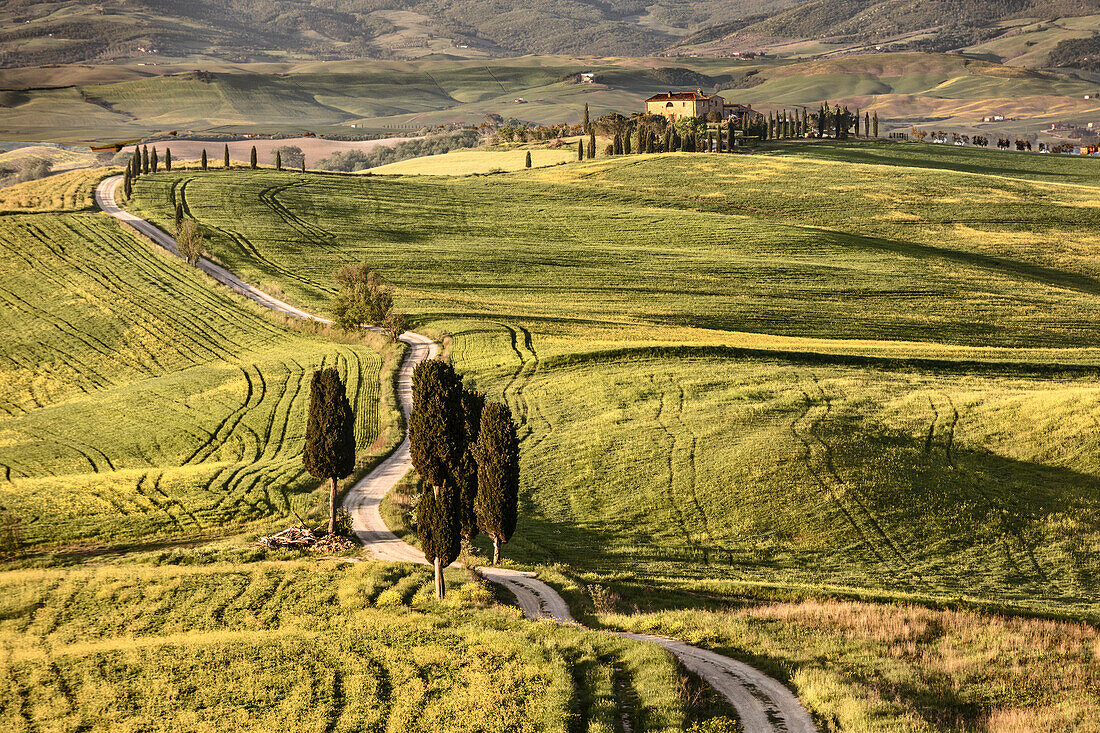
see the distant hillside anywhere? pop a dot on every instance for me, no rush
(33, 32)
(900, 25)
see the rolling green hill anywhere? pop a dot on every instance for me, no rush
(140, 404)
(800, 370)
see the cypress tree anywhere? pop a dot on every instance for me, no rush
(437, 445)
(303, 164)
(668, 139)
(585, 126)
(720, 138)
(867, 124)
(641, 139)
(252, 158)
(527, 163)
(731, 128)
(278, 160)
(497, 453)
(179, 215)
(591, 142)
(330, 434)
(473, 402)
(145, 159)
(168, 159)
(227, 155)
(626, 142)
(580, 150)
(135, 165)
(874, 121)
(127, 186)
(857, 121)
(204, 158)
(617, 145)
(153, 162)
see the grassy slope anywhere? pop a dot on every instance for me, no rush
(319, 646)
(738, 466)
(69, 191)
(137, 401)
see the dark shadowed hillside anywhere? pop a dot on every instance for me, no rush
(37, 33)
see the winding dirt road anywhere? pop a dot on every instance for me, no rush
(762, 703)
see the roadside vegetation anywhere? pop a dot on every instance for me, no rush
(870, 667)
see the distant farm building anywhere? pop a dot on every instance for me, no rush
(677, 105)
(588, 78)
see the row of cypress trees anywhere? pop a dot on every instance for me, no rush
(253, 163)
(143, 162)
(467, 454)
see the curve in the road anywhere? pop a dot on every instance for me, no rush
(763, 703)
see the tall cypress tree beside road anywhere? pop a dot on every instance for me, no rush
(473, 402)
(145, 159)
(203, 159)
(497, 454)
(591, 142)
(279, 160)
(153, 162)
(252, 158)
(227, 155)
(168, 159)
(580, 150)
(437, 436)
(330, 434)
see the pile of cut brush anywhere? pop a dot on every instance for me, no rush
(302, 537)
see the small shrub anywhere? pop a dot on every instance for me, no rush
(716, 725)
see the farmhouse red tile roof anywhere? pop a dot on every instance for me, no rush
(678, 95)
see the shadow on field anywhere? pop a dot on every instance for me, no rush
(1009, 164)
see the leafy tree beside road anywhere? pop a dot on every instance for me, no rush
(190, 241)
(365, 299)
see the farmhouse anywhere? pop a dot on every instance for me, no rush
(677, 105)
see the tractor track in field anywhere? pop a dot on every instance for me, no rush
(855, 492)
(804, 436)
(1000, 512)
(762, 703)
(676, 513)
